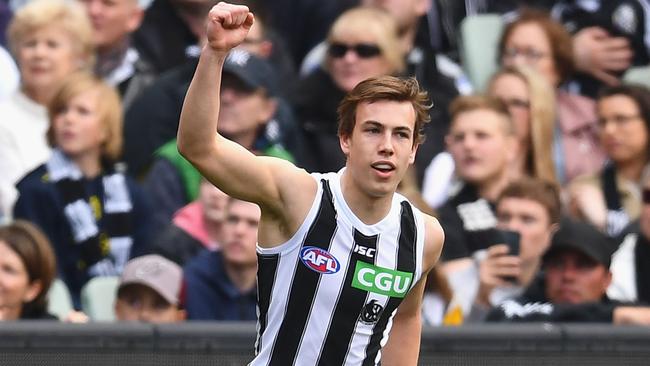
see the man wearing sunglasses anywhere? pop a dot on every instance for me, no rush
(342, 258)
(631, 262)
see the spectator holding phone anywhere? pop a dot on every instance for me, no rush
(573, 285)
(528, 212)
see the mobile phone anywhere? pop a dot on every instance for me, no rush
(498, 236)
(511, 239)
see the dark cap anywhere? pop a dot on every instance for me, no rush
(582, 237)
(254, 71)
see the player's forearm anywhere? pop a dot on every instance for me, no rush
(403, 347)
(198, 123)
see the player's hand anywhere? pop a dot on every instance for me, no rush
(228, 26)
(601, 55)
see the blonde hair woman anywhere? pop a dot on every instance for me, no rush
(531, 103)
(363, 42)
(50, 39)
(95, 216)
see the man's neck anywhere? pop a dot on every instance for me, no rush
(492, 187)
(243, 277)
(110, 57)
(370, 210)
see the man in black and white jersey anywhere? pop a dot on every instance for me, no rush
(342, 258)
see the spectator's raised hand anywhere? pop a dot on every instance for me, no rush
(228, 26)
(597, 53)
(495, 270)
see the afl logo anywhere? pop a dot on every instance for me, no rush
(319, 260)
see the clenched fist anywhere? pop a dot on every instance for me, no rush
(228, 26)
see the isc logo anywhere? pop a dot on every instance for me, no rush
(368, 252)
(319, 260)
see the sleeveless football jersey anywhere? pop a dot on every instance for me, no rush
(328, 295)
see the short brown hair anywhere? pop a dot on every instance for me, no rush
(543, 191)
(558, 37)
(385, 88)
(35, 251)
(468, 103)
(108, 103)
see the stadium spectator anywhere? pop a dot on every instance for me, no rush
(49, 39)
(611, 198)
(248, 102)
(531, 208)
(95, 216)
(221, 285)
(150, 291)
(630, 263)
(197, 226)
(572, 288)
(362, 43)
(530, 102)
(536, 40)
(118, 62)
(152, 120)
(171, 31)
(608, 38)
(27, 269)
(482, 142)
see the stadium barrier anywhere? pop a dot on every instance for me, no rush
(226, 344)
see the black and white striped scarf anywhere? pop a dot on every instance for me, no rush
(103, 250)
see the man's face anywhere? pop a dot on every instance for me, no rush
(574, 278)
(240, 233)
(243, 110)
(480, 145)
(531, 220)
(380, 148)
(142, 304)
(113, 20)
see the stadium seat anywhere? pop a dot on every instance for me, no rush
(59, 300)
(479, 38)
(98, 298)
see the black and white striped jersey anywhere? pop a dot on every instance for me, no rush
(328, 295)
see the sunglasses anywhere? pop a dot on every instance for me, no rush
(363, 50)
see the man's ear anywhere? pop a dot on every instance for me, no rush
(414, 151)
(344, 141)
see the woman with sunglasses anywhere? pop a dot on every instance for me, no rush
(537, 41)
(362, 43)
(611, 198)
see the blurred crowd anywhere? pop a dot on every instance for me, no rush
(540, 178)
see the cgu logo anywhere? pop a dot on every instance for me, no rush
(381, 280)
(319, 260)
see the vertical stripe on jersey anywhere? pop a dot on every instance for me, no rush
(349, 306)
(267, 266)
(406, 259)
(304, 285)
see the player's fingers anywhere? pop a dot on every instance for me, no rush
(250, 19)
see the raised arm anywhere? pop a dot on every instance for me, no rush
(226, 164)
